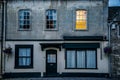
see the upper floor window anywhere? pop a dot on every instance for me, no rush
(51, 18)
(24, 20)
(81, 20)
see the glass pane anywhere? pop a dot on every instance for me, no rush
(51, 17)
(28, 13)
(28, 61)
(80, 59)
(22, 61)
(28, 22)
(70, 59)
(21, 22)
(91, 59)
(21, 17)
(81, 20)
(51, 58)
(81, 25)
(22, 52)
(25, 13)
(21, 13)
(54, 15)
(50, 12)
(28, 51)
(21, 26)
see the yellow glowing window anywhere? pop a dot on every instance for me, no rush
(81, 19)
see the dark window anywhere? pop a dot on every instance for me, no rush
(23, 56)
(84, 59)
(51, 18)
(24, 19)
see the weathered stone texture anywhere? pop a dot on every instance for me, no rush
(115, 43)
(97, 25)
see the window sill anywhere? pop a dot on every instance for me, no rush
(81, 29)
(81, 68)
(23, 67)
(51, 30)
(24, 29)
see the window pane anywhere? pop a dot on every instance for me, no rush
(80, 59)
(22, 52)
(22, 61)
(81, 21)
(91, 59)
(24, 56)
(51, 58)
(28, 52)
(28, 61)
(70, 59)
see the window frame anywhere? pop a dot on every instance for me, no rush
(51, 29)
(76, 20)
(30, 20)
(76, 58)
(17, 47)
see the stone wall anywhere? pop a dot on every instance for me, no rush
(96, 19)
(115, 56)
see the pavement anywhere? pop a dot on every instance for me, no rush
(62, 78)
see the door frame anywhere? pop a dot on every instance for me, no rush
(48, 52)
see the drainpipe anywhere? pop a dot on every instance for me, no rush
(3, 33)
(109, 40)
(2, 36)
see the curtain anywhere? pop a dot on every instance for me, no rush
(51, 58)
(71, 59)
(24, 56)
(91, 59)
(80, 59)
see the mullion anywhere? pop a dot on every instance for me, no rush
(85, 58)
(24, 56)
(76, 58)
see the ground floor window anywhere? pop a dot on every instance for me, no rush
(23, 56)
(81, 59)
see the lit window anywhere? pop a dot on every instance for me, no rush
(51, 19)
(24, 19)
(81, 20)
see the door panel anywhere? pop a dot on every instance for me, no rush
(51, 61)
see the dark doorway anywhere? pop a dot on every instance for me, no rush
(51, 62)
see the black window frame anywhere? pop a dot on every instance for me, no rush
(76, 58)
(17, 47)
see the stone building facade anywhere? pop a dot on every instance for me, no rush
(56, 38)
(114, 25)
